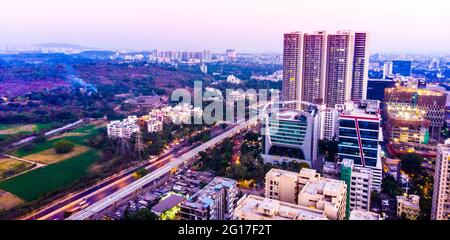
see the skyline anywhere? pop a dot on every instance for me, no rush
(143, 25)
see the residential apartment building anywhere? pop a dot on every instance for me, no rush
(154, 125)
(314, 56)
(441, 190)
(123, 129)
(251, 207)
(408, 206)
(339, 68)
(325, 68)
(308, 189)
(359, 185)
(360, 70)
(216, 201)
(292, 60)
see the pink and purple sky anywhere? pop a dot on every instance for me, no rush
(417, 26)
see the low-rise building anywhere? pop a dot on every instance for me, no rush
(359, 185)
(364, 215)
(408, 206)
(308, 189)
(216, 201)
(123, 129)
(251, 207)
(168, 207)
(392, 166)
(154, 125)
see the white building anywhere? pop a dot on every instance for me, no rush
(123, 129)
(154, 125)
(233, 79)
(328, 125)
(441, 194)
(359, 185)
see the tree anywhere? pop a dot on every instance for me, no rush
(412, 163)
(64, 146)
(390, 186)
(140, 215)
(140, 173)
(329, 149)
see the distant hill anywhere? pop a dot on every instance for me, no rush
(65, 45)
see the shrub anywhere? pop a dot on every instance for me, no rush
(64, 146)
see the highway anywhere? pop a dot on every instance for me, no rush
(56, 210)
(110, 198)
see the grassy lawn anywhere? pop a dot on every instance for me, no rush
(87, 130)
(10, 129)
(56, 176)
(10, 167)
(51, 156)
(34, 184)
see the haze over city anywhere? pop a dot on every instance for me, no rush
(395, 26)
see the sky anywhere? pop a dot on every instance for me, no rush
(406, 26)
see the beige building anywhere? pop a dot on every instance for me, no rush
(364, 215)
(441, 197)
(251, 207)
(408, 206)
(308, 189)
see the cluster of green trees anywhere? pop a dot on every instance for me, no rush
(421, 183)
(63, 146)
(143, 214)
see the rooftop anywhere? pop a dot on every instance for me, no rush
(363, 109)
(167, 203)
(205, 197)
(419, 91)
(364, 215)
(258, 208)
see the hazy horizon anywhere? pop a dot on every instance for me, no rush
(414, 26)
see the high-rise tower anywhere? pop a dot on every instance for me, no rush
(360, 69)
(313, 78)
(292, 59)
(338, 70)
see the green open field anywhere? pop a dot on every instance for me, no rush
(34, 184)
(9, 129)
(84, 133)
(10, 167)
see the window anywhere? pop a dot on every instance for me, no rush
(347, 123)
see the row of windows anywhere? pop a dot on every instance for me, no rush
(354, 142)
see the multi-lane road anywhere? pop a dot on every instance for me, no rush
(96, 192)
(78, 201)
(101, 205)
